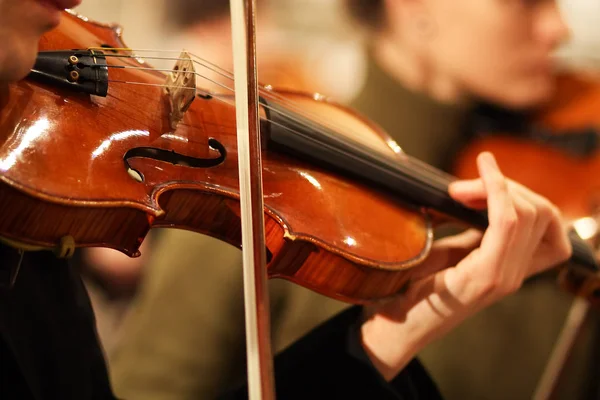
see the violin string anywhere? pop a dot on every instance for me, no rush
(440, 178)
(201, 60)
(266, 94)
(436, 175)
(262, 89)
(206, 64)
(228, 75)
(211, 94)
(439, 182)
(391, 164)
(444, 177)
(229, 102)
(213, 65)
(172, 70)
(224, 73)
(156, 85)
(217, 97)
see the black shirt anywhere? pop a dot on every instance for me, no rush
(49, 347)
(48, 342)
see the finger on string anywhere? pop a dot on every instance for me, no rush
(496, 186)
(501, 210)
(471, 193)
(523, 242)
(555, 247)
(547, 213)
(551, 230)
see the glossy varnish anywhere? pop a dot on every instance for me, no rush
(63, 174)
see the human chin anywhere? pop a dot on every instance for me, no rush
(530, 95)
(541, 90)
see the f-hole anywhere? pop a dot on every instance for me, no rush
(173, 157)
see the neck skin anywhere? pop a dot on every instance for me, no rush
(414, 71)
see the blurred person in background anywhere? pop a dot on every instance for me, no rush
(369, 351)
(434, 73)
(430, 129)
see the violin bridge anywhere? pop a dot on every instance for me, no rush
(181, 88)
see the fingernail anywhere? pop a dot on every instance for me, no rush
(455, 184)
(459, 186)
(488, 159)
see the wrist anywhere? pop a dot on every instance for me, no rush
(386, 346)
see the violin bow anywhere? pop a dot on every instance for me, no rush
(256, 295)
(549, 383)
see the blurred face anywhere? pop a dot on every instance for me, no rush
(499, 50)
(22, 23)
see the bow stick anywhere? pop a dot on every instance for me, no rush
(256, 300)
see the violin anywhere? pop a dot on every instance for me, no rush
(97, 148)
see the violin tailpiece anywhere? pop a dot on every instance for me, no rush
(82, 71)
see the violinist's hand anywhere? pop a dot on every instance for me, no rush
(525, 236)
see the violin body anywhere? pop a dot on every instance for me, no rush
(66, 180)
(575, 103)
(569, 181)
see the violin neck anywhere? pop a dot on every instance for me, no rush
(408, 180)
(417, 184)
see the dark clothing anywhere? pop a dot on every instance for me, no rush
(48, 343)
(49, 347)
(330, 363)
